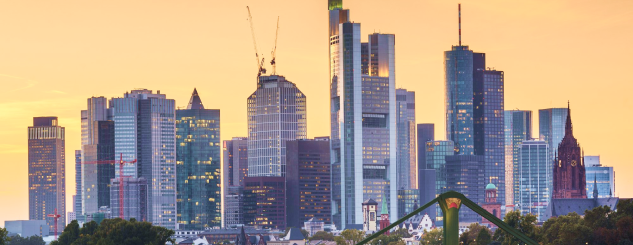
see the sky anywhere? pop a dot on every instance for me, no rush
(56, 54)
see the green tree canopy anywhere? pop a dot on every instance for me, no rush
(32, 240)
(353, 236)
(3, 236)
(323, 235)
(114, 232)
(432, 237)
(525, 224)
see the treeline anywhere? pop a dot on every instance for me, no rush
(114, 232)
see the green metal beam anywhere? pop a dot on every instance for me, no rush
(465, 201)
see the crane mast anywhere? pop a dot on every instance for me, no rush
(260, 66)
(274, 52)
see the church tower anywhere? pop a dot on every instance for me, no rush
(384, 216)
(491, 205)
(569, 167)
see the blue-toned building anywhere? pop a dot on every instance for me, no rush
(407, 201)
(534, 178)
(405, 124)
(459, 73)
(436, 153)
(602, 176)
(465, 174)
(552, 127)
(198, 166)
(518, 127)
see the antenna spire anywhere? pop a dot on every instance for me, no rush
(459, 13)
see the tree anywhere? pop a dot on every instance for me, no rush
(32, 240)
(432, 237)
(525, 224)
(115, 232)
(305, 233)
(3, 236)
(484, 238)
(566, 229)
(323, 235)
(471, 235)
(353, 236)
(340, 240)
(403, 233)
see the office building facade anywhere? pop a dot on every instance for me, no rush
(98, 166)
(145, 131)
(46, 169)
(518, 127)
(552, 127)
(235, 166)
(603, 176)
(466, 174)
(265, 202)
(308, 181)
(234, 206)
(135, 198)
(436, 153)
(426, 132)
(534, 178)
(198, 166)
(276, 114)
(406, 148)
(77, 196)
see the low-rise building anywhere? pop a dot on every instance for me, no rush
(27, 228)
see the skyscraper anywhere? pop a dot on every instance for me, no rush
(436, 153)
(276, 114)
(77, 196)
(308, 181)
(552, 127)
(198, 166)
(534, 178)
(569, 167)
(426, 132)
(459, 67)
(405, 124)
(363, 118)
(602, 176)
(518, 127)
(135, 198)
(235, 167)
(96, 177)
(265, 202)
(145, 130)
(46, 168)
(465, 174)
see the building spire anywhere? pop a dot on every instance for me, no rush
(195, 102)
(568, 125)
(595, 187)
(384, 209)
(459, 16)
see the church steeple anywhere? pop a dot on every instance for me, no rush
(595, 187)
(568, 125)
(195, 102)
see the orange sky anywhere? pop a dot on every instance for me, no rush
(55, 54)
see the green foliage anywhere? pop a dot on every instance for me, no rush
(353, 236)
(340, 240)
(114, 232)
(305, 233)
(322, 235)
(32, 240)
(484, 237)
(525, 224)
(403, 233)
(3, 236)
(566, 229)
(432, 237)
(474, 231)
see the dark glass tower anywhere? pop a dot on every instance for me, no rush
(518, 127)
(198, 166)
(459, 67)
(552, 127)
(465, 174)
(97, 177)
(46, 162)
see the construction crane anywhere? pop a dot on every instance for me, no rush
(121, 164)
(260, 65)
(55, 216)
(274, 52)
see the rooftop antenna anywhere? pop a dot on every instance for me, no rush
(459, 14)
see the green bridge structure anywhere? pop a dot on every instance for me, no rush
(450, 203)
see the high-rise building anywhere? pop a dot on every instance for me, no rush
(534, 178)
(488, 115)
(265, 202)
(552, 127)
(135, 198)
(569, 168)
(234, 206)
(308, 181)
(426, 132)
(405, 124)
(235, 166)
(407, 201)
(427, 190)
(363, 120)
(46, 168)
(518, 127)
(98, 168)
(77, 196)
(465, 174)
(198, 166)
(436, 153)
(276, 114)
(145, 130)
(602, 176)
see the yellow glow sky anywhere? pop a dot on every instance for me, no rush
(55, 54)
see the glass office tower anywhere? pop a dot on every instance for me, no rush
(534, 178)
(276, 114)
(552, 128)
(145, 130)
(405, 123)
(465, 174)
(458, 68)
(46, 168)
(198, 166)
(436, 152)
(597, 174)
(518, 127)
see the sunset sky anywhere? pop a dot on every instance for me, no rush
(56, 54)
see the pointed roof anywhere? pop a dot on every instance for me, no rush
(195, 102)
(294, 234)
(384, 206)
(568, 125)
(595, 186)
(242, 239)
(370, 202)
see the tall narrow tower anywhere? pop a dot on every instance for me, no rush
(569, 166)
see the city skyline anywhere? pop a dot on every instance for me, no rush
(57, 87)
